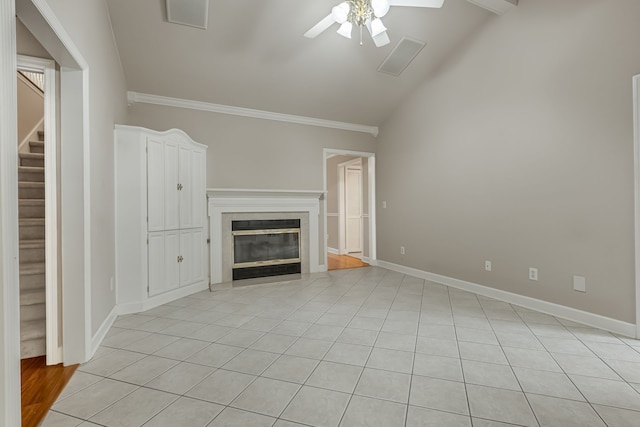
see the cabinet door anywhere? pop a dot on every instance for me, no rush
(171, 264)
(186, 212)
(197, 188)
(163, 262)
(155, 184)
(171, 181)
(192, 252)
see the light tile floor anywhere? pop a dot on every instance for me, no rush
(362, 347)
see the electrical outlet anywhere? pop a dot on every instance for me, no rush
(487, 265)
(533, 273)
(579, 284)
(384, 205)
(401, 250)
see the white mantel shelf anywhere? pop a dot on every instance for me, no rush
(238, 192)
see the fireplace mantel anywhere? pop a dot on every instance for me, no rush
(241, 201)
(235, 193)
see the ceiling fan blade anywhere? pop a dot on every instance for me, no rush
(417, 3)
(321, 26)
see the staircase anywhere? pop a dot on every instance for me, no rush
(32, 250)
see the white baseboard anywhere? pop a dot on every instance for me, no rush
(97, 339)
(158, 300)
(322, 268)
(553, 309)
(371, 262)
(333, 251)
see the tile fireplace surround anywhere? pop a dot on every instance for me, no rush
(226, 205)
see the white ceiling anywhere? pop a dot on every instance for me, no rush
(254, 55)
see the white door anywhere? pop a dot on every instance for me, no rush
(155, 185)
(163, 264)
(171, 193)
(186, 190)
(171, 263)
(353, 209)
(197, 190)
(192, 253)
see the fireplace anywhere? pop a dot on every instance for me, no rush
(226, 206)
(265, 247)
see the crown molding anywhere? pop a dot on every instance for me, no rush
(144, 98)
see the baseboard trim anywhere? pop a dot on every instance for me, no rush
(158, 300)
(553, 309)
(322, 268)
(97, 339)
(333, 251)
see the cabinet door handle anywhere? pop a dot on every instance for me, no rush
(179, 187)
(180, 259)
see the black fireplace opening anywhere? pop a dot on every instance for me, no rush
(263, 248)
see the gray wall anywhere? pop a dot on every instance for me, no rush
(254, 153)
(249, 153)
(519, 150)
(30, 110)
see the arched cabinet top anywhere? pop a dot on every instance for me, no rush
(171, 134)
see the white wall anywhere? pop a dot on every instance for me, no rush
(519, 150)
(88, 25)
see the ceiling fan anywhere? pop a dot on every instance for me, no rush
(365, 13)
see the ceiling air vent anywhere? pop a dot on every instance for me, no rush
(401, 56)
(194, 13)
(496, 6)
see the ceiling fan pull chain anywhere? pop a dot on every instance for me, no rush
(360, 35)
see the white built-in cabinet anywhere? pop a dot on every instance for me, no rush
(160, 182)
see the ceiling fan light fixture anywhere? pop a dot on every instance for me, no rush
(345, 29)
(340, 12)
(380, 7)
(377, 27)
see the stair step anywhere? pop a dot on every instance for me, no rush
(36, 147)
(31, 228)
(32, 255)
(33, 348)
(29, 268)
(31, 159)
(32, 281)
(32, 244)
(33, 329)
(33, 296)
(32, 312)
(30, 174)
(30, 190)
(41, 135)
(32, 251)
(31, 208)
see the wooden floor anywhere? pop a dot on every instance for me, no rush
(41, 385)
(340, 262)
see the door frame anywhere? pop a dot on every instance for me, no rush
(48, 68)
(636, 169)
(9, 269)
(371, 177)
(342, 207)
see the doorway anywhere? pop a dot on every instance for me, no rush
(37, 209)
(349, 206)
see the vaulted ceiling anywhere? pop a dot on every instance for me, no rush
(253, 55)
